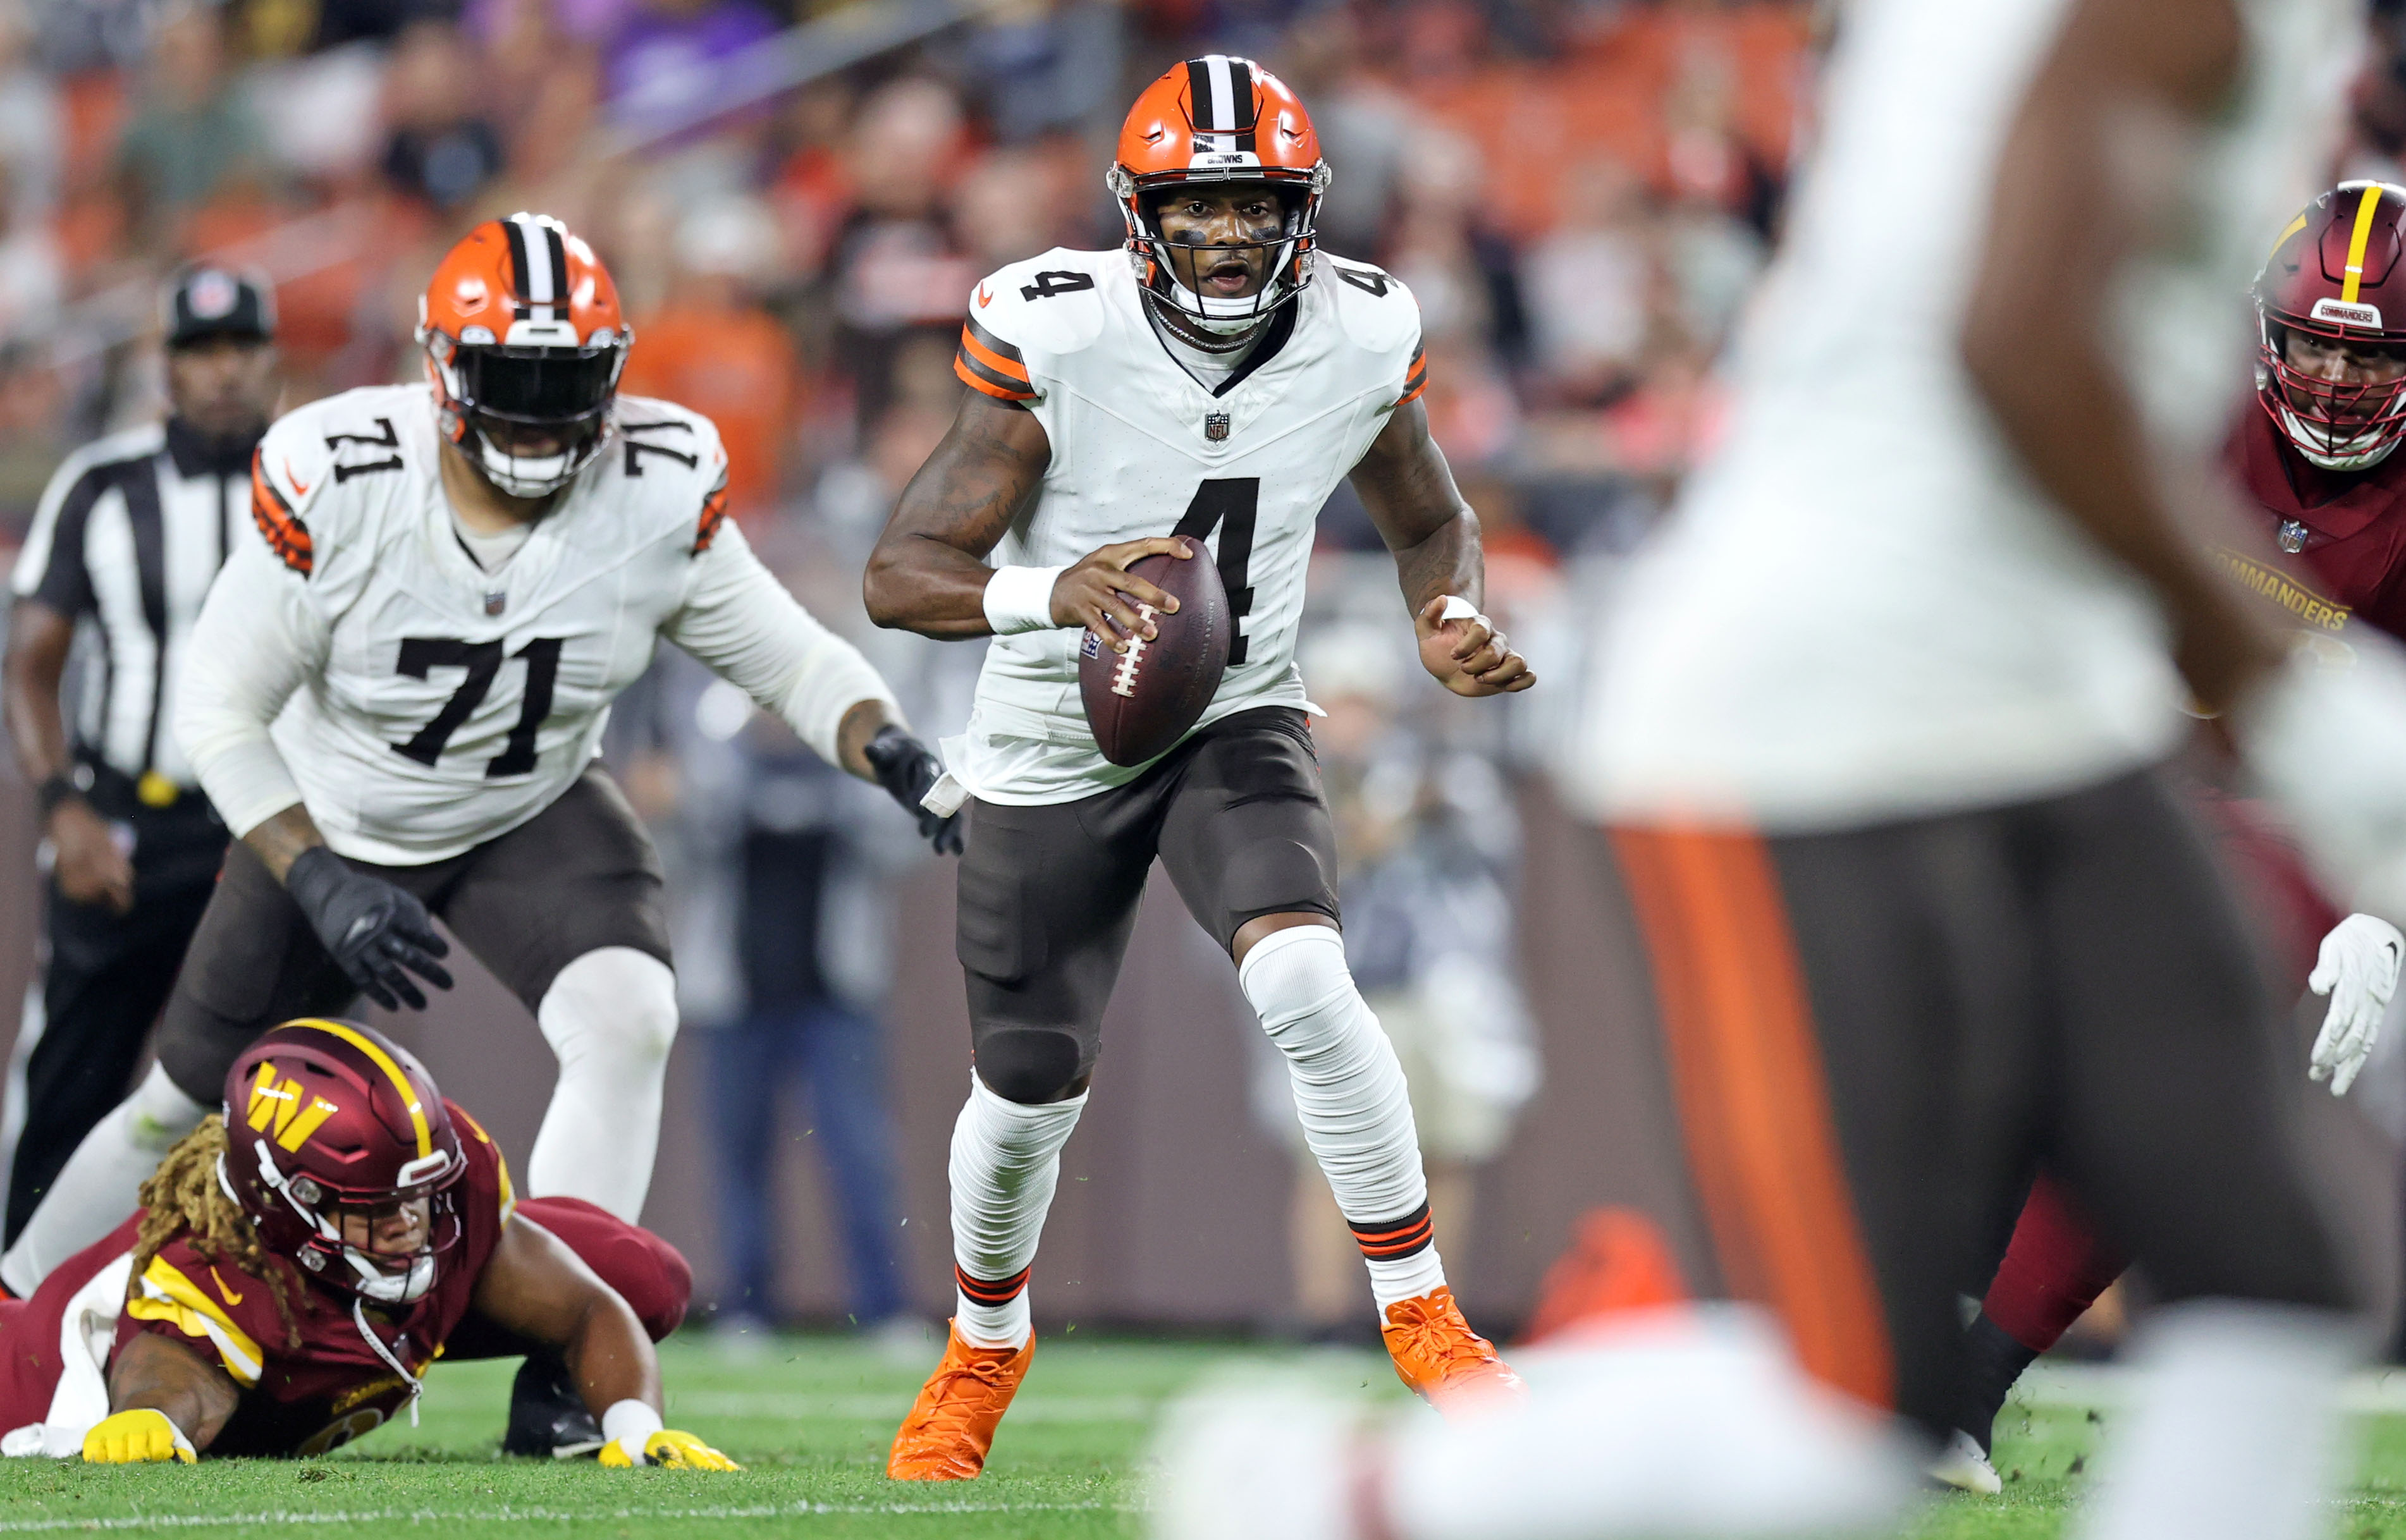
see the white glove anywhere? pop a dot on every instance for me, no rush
(2326, 742)
(2358, 970)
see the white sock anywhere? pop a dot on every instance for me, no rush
(611, 1016)
(1350, 1092)
(2234, 1431)
(102, 1182)
(1006, 1158)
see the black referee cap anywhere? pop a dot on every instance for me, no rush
(204, 301)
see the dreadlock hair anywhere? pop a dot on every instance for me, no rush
(183, 1198)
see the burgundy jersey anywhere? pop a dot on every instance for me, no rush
(334, 1386)
(2341, 534)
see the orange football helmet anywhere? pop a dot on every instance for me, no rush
(524, 341)
(1220, 120)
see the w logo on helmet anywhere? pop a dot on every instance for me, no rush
(278, 1103)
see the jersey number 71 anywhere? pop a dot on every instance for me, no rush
(421, 655)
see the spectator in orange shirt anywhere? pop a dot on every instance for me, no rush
(715, 347)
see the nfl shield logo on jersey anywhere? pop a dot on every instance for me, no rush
(2293, 536)
(1216, 426)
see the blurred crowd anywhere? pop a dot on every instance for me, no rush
(796, 197)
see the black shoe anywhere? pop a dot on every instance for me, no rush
(547, 1417)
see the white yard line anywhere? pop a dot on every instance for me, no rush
(509, 1515)
(794, 1407)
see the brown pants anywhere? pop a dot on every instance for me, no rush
(1048, 894)
(578, 876)
(1873, 1036)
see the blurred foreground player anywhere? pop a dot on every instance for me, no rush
(122, 549)
(1216, 379)
(1877, 736)
(451, 583)
(300, 1261)
(2320, 464)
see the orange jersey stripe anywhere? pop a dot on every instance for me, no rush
(976, 382)
(713, 514)
(1754, 1104)
(285, 535)
(991, 358)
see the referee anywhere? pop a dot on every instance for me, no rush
(129, 535)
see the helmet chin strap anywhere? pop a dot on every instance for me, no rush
(389, 1288)
(524, 476)
(2338, 457)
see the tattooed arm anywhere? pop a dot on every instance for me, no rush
(929, 572)
(1410, 492)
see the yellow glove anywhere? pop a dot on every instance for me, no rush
(677, 1450)
(136, 1437)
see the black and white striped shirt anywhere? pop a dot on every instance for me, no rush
(128, 537)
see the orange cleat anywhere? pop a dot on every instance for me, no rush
(1445, 1363)
(952, 1425)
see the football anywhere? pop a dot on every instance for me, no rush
(1142, 701)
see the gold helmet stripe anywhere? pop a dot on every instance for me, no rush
(384, 1062)
(2358, 241)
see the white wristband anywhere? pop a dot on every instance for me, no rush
(630, 1424)
(1019, 599)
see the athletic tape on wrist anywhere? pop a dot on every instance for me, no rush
(1019, 599)
(630, 1424)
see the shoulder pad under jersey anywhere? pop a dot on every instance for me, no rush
(315, 463)
(671, 465)
(1378, 313)
(1043, 307)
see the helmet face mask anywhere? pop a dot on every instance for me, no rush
(331, 1131)
(524, 344)
(2343, 424)
(2331, 305)
(1208, 124)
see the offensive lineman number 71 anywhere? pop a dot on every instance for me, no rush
(421, 655)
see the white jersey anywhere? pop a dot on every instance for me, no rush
(421, 705)
(1864, 609)
(1140, 449)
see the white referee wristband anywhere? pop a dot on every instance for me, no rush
(1019, 599)
(630, 1424)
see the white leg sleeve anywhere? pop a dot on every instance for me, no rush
(611, 1016)
(2234, 1434)
(1006, 1159)
(101, 1180)
(1350, 1092)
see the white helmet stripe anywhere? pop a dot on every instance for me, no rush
(1223, 94)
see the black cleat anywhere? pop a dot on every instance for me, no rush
(547, 1417)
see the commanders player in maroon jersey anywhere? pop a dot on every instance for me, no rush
(300, 1260)
(2320, 462)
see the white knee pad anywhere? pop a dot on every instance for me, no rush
(101, 1180)
(611, 1016)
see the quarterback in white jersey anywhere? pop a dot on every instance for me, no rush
(397, 689)
(1215, 380)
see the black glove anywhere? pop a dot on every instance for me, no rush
(906, 770)
(376, 932)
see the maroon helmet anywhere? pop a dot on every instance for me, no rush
(325, 1116)
(2338, 273)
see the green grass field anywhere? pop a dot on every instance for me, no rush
(811, 1417)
